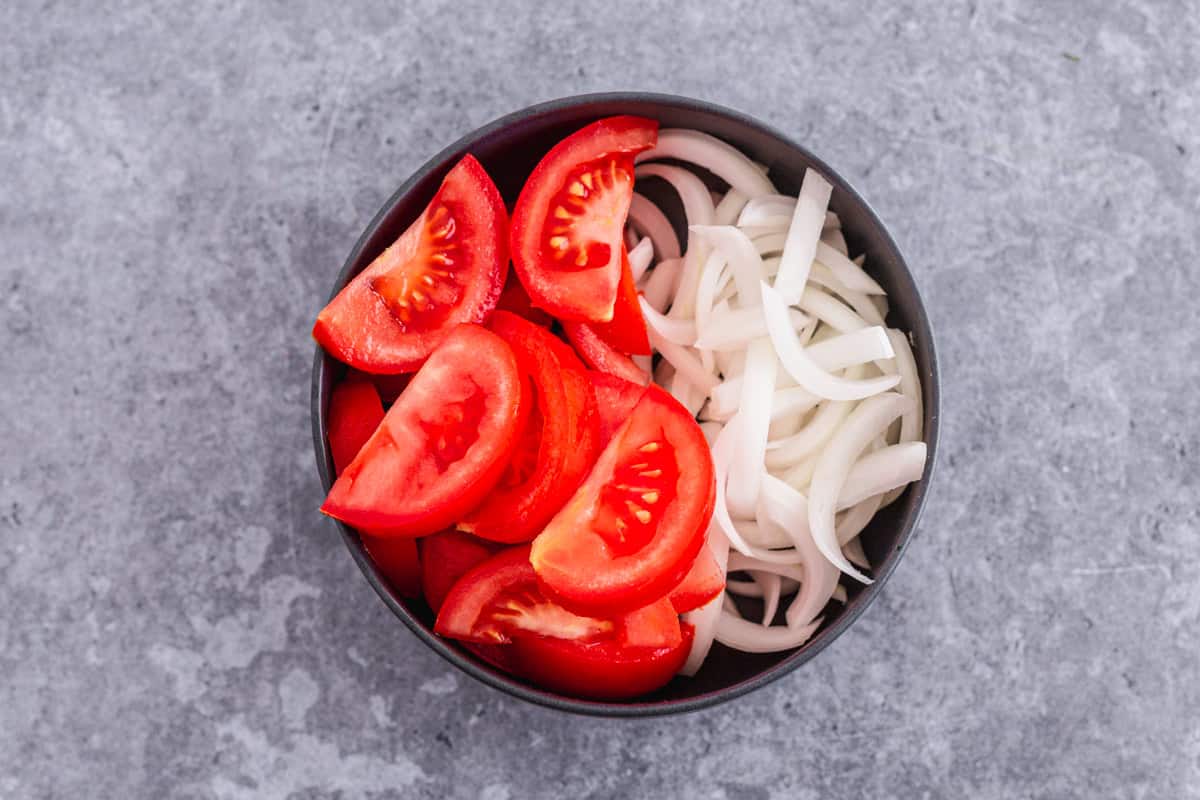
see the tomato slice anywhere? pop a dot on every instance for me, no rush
(355, 411)
(626, 331)
(566, 355)
(601, 356)
(399, 562)
(442, 446)
(552, 456)
(569, 221)
(655, 625)
(703, 582)
(603, 670)
(615, 399)
(514, 298)
(445, 557)
(631, 532)
(447, 268)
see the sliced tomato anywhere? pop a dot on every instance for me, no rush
(500, 599)
(631, 532)
(603, 670)
(442, 446)
(445, 557)
(447, 268)
(655, 625)
(599, 355)
(399, 562)
(626, 331)
(552, 456)
(615, 400)
(569, 221)
(514, 298)
(567, 357)
(704, 581)
(388, 386)
(355, 411)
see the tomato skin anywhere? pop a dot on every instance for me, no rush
(599, 355)
(579, 559)
(518, 512)
(703, 582)
(399, 562)
(515, 299)
(602, 670)
(626, 331)
(583, 291)
(445, 557)
(355, 411)
(360, 328)
(442, 446)
(615, 400)
(655, 625)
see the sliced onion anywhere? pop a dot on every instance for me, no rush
(697, 202)
(777, 210)
(772, 587)
(910, 386)
(784, 506)
(684, 304)
(640, 256)
(831, 311)
(800, 475)
(684, 360)
(799, 364)
(733, 328)
(853, 551)
(767, 242)
(711, 431)
(688, 395)
(679, 331)
(881, 471)
(809, 439)
(803, 235)
(631, 237)
(707, 287)
(868, 420)
(659, 285)
(862, 306)
(836, 239)
(751, 638)
(651, 221)
(851, 275)
(704, 619)
(743, 259)
(758, 385)
(719, 158)
(766, 537)
(854, 520)
(730, 206)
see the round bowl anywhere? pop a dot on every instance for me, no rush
(509, 148)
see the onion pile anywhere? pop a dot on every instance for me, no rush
(769, 332)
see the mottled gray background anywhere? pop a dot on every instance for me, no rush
(179, 184)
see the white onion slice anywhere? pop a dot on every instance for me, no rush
(862, 306)
(868, 420)
(854, 553)
(686, 393)
(855, 519)
(758, 384)
(809, 439)
(849, 274)
(803, 235)
(836, 239)
(743, 259)
(881, 471)
(777, 210)
(787, 508)
(684, 360)
(912, 421)
(719, 158)
(697, 202)
(831, 311)
(640, 256)
(772, 588)
(751, 638)
(651, 221)
(768, 243)
(766, 537)
(704, 619)
(660, 283)
(679, 331)
(631, 237)
(733, 328)
(797, 362)
(711, 431)
(706, 288)
(730, 607)
(730, 206)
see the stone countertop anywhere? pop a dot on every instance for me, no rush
(180, 183)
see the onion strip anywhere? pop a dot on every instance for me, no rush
(651, 221)
(719, 158)
(803, 236)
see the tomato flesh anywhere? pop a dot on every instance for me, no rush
(655, 625)
(442, 446)
(631, 532)
(355, 411)
(445, 557)
(599, 355)
(447, 268)
(626, 331)
(568, 223)
(704, 581)
(515, 299)
(398, 560)
(615, 400)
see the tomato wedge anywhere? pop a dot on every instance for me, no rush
(399, 562)
(569, 221)
(603, 670)
(445, 557)
(355, 411)
(443, 444)
(553, 454)
(599, 355)
(615, 399)
(514, 298)
(631, 532)
(626, 331)
(703, 582)
(447, 268)
(655, 625)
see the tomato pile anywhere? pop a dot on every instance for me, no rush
(525, 479)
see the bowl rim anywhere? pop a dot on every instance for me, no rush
(502, 681)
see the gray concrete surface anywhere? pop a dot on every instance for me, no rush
(180, 182)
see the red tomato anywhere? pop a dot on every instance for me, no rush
(626, 331)
(615, 399)
(552, 456)
(566, 355)
(445, 557)
(397, 559)
(585, 434)
(514, 298)
(655, 625)
(442, 446)
(602, 670)
(703, 582)
(632, 530)
(569, 221)
(447, 268)
(600, 356)
(355, 411)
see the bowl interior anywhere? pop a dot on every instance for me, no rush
(509, 149)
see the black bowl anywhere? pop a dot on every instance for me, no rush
(509, 148)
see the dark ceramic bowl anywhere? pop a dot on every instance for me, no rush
(509, 148)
